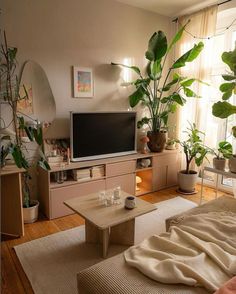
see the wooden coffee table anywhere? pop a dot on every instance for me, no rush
(113, 224)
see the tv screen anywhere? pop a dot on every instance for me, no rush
(97, 135)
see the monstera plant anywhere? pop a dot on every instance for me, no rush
(156, 90)
(224, 109)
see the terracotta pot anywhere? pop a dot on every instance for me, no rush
(157, 141)
(232, 164)
(219, 163)
(31, 213)
(187, 182)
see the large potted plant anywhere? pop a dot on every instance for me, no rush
(156, 91)
(10, 95)
(196, 151)
(223, 152)
(224, 109)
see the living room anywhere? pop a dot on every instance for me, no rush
(118, 139)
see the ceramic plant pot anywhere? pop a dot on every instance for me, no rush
(232, 164)
(219, 163)
(31, 213)
(157, 141)
(187, 182)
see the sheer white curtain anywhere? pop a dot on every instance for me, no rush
(198, 110)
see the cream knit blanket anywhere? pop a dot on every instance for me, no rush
(199, 252)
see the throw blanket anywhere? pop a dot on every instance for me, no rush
(201, 251)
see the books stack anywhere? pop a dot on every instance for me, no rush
(98, 171)
(55, 160)
(81, 174)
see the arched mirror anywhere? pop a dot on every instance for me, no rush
(40, 103)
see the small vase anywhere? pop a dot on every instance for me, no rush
(219, 163)
(157, 141)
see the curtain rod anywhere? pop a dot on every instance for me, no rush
(226, 1)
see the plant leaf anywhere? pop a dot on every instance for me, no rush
(157, 46)
(229, 77)
(178, 99)
(189, 93)
(136, 97)
(134, 68)
(230, 59)
(177, 37)
(187, 83)
(223, 109)
(189, 56)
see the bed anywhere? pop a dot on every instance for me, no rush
(114, 275)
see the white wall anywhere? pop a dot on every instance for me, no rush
(58, 34)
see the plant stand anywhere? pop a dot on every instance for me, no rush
(218, 173)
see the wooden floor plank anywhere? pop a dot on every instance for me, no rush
(14, 279)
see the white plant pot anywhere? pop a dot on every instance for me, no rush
(219, 163)
(31, 213)
(187, 182)
(232, 164)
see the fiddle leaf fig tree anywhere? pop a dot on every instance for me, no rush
(154, 89)
(224, 109)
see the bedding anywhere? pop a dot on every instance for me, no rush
(199, 252)
(115, 276)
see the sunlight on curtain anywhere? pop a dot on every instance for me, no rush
(198, 110)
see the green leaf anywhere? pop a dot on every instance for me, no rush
(18, 156)
(169, 85)
(38, 135)
(230, 59)
(187, 83)
(177, 37)
(29, 132)
(136, 97)
(156, 69)
(229, 77)
(134, 68)
(223, 109)
(157, 46)
(189, 56)
(178, 99)
(227, 95)
(44, 164)
(225, 87)
(189, 93)
(144, 121)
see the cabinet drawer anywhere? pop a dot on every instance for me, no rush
(59, 195)
(120, 168)
(165, 160)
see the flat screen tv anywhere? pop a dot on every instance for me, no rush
(96, 135)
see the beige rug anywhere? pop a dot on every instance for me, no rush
(51, 263)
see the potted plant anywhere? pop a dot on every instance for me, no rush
(196, 151)
(223, 152)
(10, 95)
(171, 144)
(224, 109)
(155, 91)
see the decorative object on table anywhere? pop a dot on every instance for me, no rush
(83, 82)
(145, 162)
(171, 144)
(196, 151)
(10, 94)
(117, 195)
(130, 202)
(152, 88)
(144, 140)
(82, 174)
(138, 180)
(223, 152)
(57, 148)
(224, 109)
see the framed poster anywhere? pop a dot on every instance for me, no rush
(83, 82)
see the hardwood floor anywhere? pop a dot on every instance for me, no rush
(14, 280)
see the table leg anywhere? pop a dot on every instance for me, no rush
(91, 233)
(105, 242)
(123, 233)
(217, 182)
(201, 197)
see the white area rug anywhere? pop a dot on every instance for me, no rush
(51, 263)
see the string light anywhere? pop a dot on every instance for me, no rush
(208, 38)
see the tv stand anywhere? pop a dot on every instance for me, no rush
(115, 171)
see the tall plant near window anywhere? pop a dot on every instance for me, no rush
(154, 89)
